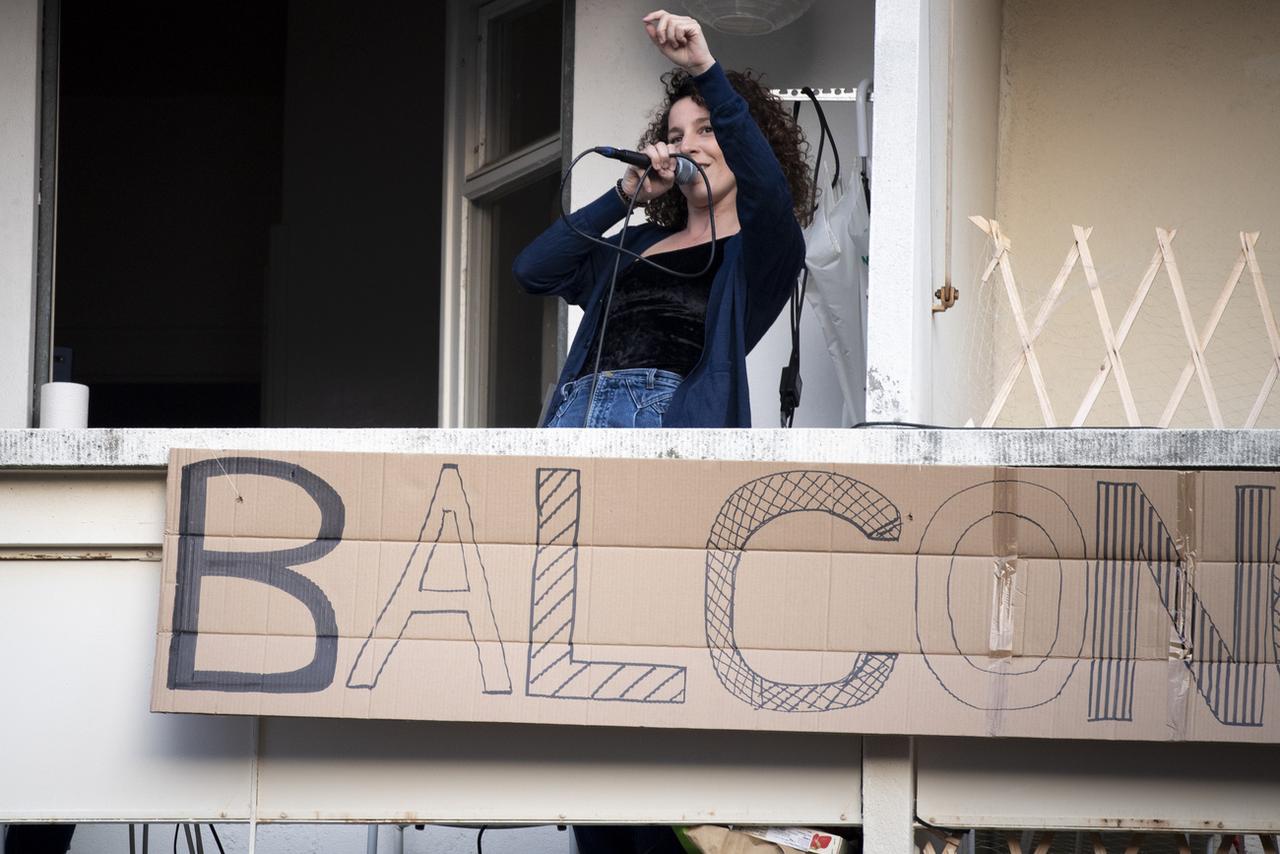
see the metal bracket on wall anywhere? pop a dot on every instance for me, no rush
(947, 296)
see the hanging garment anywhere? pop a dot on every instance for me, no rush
(836, 256)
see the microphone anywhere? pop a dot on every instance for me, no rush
(686, 172)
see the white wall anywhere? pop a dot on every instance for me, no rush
(1125, 117)
(1091, 784)
(961, 372)
(898, 334)
(616, 88)
(19, 134)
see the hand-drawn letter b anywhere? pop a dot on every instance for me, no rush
(195, 563)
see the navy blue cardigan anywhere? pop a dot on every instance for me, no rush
(760, 266)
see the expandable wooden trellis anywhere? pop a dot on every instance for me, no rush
(1043, 844)
(1114, 337)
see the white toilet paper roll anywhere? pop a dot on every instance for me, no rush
(64, 405)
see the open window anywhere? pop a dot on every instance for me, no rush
(503, 347)
(248, 212)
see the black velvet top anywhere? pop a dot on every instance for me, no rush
(658, 320)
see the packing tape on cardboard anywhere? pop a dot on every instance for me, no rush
(1178, 673)
(1003, 602)
(1181, 645)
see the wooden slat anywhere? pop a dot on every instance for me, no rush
(1046, 842)
(985, 224)
(1249, 241)
(1024, 334)
(1042, 317)
(1188, 328)
(1263, 393)
(1108, 332)
(1126, 323)
(1188, 370)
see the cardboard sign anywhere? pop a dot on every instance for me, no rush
(1068, 603)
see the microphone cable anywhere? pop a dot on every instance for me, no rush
(790, 384)
(564, 215)
(621, 250)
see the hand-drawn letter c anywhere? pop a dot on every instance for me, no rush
(748, 509)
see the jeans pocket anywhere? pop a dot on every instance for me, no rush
(566, 398)
(653, 405)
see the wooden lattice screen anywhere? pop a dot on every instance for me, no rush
(950, 842)
(1114, 337)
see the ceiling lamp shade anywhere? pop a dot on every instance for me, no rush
(747, 17)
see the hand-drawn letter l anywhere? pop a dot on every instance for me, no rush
(554, 670)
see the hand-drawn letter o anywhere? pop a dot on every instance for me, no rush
(977, 680)
(752, 506)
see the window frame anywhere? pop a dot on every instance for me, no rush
(470, 186)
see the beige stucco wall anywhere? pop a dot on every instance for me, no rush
(1128, 116)
(961, 385)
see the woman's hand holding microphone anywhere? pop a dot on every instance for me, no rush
(662, 176)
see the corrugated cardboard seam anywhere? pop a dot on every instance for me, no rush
(906, 551)
(639, 648)
(1181, 644)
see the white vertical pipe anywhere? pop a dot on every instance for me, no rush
(255, 739)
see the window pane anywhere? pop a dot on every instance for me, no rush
(521, 327)
(523, 103)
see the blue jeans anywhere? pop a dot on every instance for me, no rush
(635, 397)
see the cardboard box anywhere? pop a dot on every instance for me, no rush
(1059, 603)
(799, 838)
(713, 839)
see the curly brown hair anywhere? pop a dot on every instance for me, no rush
(784, 135)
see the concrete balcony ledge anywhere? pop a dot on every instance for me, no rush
(149, 448)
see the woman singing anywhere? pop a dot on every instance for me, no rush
(674, 349)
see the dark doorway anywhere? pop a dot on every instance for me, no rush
(248, 211)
